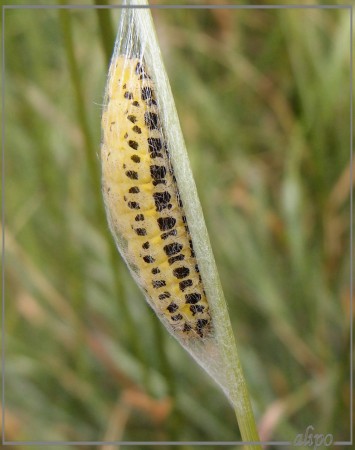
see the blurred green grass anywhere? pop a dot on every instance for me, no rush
(263, 99)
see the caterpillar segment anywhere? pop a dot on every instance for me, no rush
(143, 201)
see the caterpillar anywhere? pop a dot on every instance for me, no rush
(143, 204)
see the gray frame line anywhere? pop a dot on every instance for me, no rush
(351, 223)
(178, 6)
(130, 443)
(3, 226)
(231, 7)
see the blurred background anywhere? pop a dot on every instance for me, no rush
(263, 100)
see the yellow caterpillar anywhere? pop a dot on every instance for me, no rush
(143, 203)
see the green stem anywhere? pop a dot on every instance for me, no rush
(65, 19)
(238, 390)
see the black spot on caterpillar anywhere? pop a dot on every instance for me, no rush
(138, 175)
(184, 284)
(161, 200)
(133, 205)
(172, 307)
(176, 258)
(132, 174)
(181, 272)
(158, 283)
(151, 120)
(168, 233)
(171, 249)
(166, 223)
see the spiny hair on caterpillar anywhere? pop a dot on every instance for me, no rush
(143, 201)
